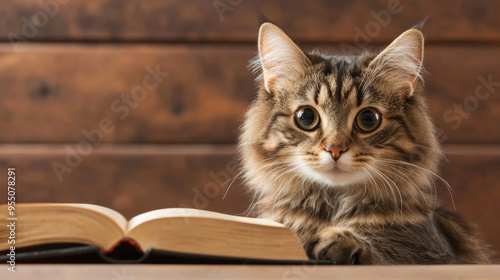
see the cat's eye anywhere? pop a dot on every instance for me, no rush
(307, 118)
(367, 120)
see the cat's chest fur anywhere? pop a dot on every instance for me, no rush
(308, 212)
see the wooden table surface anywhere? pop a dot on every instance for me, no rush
(136, 272)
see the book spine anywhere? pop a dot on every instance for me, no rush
(122, 241)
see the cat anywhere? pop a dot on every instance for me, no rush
(342, 150)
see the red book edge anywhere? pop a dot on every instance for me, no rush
(123, 240)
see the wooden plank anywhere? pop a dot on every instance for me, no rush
(157, 272)
(136, 178)
(200, 21)
(201, 100)
(130, 179)
(54, 93)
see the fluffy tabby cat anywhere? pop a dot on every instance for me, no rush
(342, 150)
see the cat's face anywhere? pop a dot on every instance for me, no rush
(338, 120)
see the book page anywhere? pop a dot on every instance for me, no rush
(46, 223)
(188, 212)
(213, 234)
(110, 213)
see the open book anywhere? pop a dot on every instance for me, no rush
(177, 230)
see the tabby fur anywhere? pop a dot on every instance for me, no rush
(377, 203)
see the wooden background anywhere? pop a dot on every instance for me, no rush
(70, 64)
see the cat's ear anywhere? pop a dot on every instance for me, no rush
(400, 64)
(279, 57)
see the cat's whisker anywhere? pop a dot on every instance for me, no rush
(377, 199)
(247, 143)
(302, 186)
(432, 187)
(428, 172)
(403, 176)
(248, 167)
(243, 169)
(295, 167)
(433, 182)
(272, 172)
(280, 165)
(415, 187)
(410, 180)
(438, 150)
(365, 189)
(383, 177)
(241, 172)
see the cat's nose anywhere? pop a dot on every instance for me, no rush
(336, 150)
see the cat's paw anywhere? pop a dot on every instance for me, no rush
(340, 245)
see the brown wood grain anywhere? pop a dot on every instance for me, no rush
(54, 93)
(133, 179)
(236, 21)
(130, 179)
(74, 86)
(156, 272)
